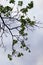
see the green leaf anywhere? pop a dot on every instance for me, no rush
(23, 44)
(24, 34)
(10, 57)
(24, 10)
(30, 5)
(14, 42)
(12, 1)
(20, 3)
(20, 54)
(1, 8)
(32, 23)
(21, 47)
(27, 48)
(23, 21)
(7, 14)
(22, 30)
(28, 20)
(7, 8)
(22, 16)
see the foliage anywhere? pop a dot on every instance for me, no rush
(25, 23)
(12, 1)
(10, 57)
(20, 3)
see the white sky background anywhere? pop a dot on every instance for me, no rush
(36, 42)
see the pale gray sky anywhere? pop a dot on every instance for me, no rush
(36, 41)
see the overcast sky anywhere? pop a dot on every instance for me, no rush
(36, 42)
